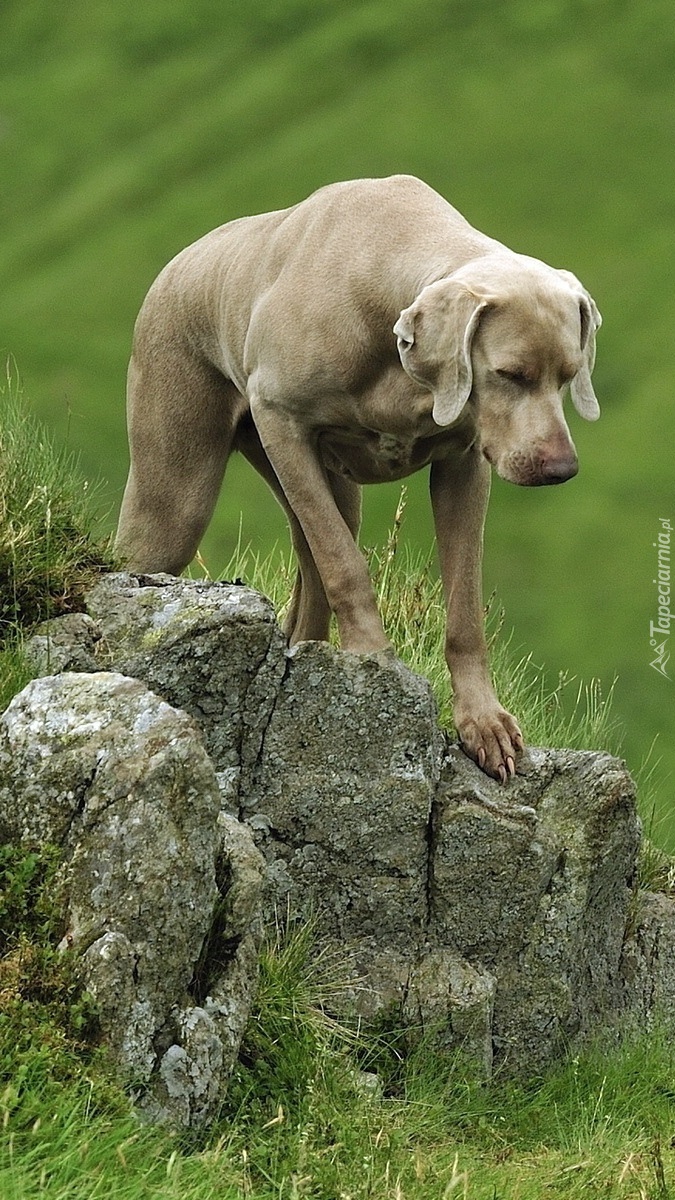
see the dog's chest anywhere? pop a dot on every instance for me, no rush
(383, 433)
(372, 456)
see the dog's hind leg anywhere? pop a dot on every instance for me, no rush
(182, 416)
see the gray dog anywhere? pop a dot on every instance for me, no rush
(357, 337)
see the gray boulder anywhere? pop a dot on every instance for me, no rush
(535, 882)
(100, 766)
(447, 997)
(64, 644)
(493, 916)
(648, 961)
(502, 918)
(211, 649)
(343, 789)
(340, 804)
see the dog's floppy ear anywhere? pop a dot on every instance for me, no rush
(434, 337)
(581, 388)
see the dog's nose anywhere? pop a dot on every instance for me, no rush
(559, 470)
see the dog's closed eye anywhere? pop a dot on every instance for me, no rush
(519, 378)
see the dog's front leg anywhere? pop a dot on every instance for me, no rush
(460, 487)
(291, 449)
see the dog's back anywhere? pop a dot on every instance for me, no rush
(367, 245)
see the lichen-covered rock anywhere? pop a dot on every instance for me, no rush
(211, 649)
(342, 795)
(534, 881)
(501, 917)
(648, 962)
(187, 1086)
(448, 997)
(64, 644)
(227, 975)
(100, 766)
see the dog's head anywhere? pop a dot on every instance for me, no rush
(507, 334)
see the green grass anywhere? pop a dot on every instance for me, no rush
(15, 670)
(51, 544)
(48, 552)
(305, 1117)
(51, 547)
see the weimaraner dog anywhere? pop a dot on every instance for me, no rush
(355, 338)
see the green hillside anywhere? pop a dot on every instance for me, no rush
(128, 130)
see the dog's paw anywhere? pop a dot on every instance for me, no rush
(493, 740)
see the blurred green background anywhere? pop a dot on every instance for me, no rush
(127, 130)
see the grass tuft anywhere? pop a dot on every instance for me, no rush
(49, 553)
(47, 1022)
(15, 670)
